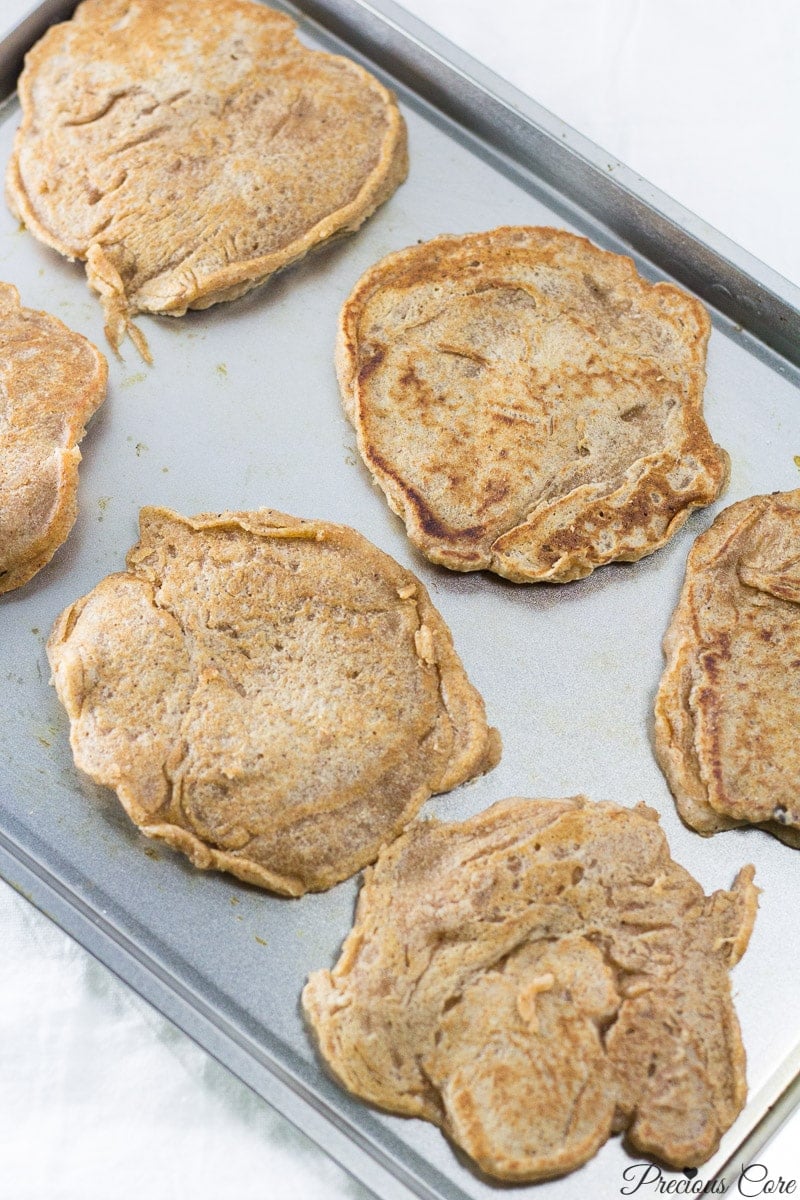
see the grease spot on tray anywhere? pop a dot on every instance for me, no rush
(45, 734)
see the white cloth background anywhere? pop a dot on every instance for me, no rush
(101, 1099)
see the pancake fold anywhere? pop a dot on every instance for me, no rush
(536, 978)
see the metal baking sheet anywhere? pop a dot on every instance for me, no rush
(241, 410)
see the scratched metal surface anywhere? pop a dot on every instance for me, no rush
(241, 410)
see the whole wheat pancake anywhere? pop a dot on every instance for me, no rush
(727, 730)
(187, 151)
(528, 403)
(537, 978)
(274, 697)
(51, 381)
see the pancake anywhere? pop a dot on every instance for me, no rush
(536, 978)
(186, 152)
(51, 381)
(274, 697)
(727, 729)
(528, 403)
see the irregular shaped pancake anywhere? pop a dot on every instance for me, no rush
(51, 381)
(274, 697)
(186, 152)
(528, 403)
(727, 729)
(536, 978)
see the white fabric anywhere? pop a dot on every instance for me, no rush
(701, 97)
(101, 1099)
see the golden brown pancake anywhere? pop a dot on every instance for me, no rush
(274, 697)
(537, 978)
(188, 151)
(728, 708)
(51, 381)
(528, 403)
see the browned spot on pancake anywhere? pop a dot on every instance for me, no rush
(495, 490)
(426, 517)
(371, 364)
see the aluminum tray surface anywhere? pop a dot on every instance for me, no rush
(241, 410)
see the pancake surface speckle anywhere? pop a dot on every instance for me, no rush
(51, 382)
(536, 978)
(274, 697)
(187, 151)
(528, 403)
(728, 707)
